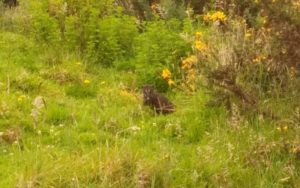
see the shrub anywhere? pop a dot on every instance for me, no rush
(17, 49)
(248, 55)
(157, 48)
(45, 29)
(110, 39)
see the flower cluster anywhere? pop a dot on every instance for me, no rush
(199, 44)
(189, 62)
(188, 66)
(216, 16)
(166, 75)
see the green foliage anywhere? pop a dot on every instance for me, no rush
(81, 91)
(157, 51)
(17, 49)
(45, 28)
(174, 9)
(94, 130)
(110, 39)
(57, 113)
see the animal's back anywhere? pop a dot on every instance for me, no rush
(157, 101)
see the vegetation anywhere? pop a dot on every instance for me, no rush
(71, 107)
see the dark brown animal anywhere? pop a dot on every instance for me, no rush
(158, 102)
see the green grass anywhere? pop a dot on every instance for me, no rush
(100, 135)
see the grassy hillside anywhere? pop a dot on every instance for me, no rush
(72, 113)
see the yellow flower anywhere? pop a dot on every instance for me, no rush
(248, 34)
(285, 128)
(86, 81)
(78, 63)
(166, 74)
(200, 46)
(171, 82)
(198, 35)
(292, 73)
(189, 62)
(21, 98)
(102, 83)
(216, 16)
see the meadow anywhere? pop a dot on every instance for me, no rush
(72, 112)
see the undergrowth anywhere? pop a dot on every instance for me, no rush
(71, 110)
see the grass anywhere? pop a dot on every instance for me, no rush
(98, 134)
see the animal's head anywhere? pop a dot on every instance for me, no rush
(147, 92)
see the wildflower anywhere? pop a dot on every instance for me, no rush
(189, 62)
(78, 63)
(198, 35)
(166, 74)
(200, 46)
(21, 98)
(191, 75)
(102, 83)
(292, 73)
(86, 81)
(248, 33)
(216, 16)
(171, 82)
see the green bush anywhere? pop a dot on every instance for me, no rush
(18, 49)
(110, 39)
(45, 29)
(158, 47)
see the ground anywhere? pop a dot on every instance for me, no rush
(91, 130)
